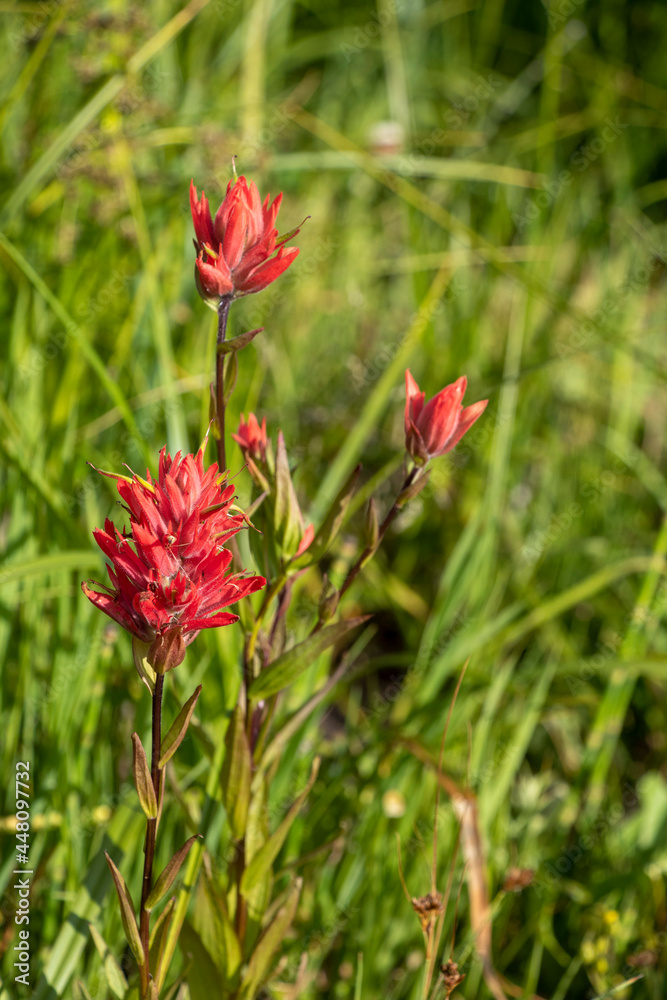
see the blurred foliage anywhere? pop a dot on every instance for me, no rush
(490, 177)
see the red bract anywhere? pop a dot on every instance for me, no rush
(306, 540)
(169, 573)
(235, 252)
(251, 437)
(435, 428)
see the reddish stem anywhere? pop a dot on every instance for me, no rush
(151, 827)
(368, 551)
(223, 314)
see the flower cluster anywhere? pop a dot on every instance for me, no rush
(235, 250)
(169, 575)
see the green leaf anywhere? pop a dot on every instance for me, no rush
(112, 970)
(171, 870)
(288, 236)
(358, 986)
(327, 532)
(158, 937)
(262, 861)
(237, 774)
(178, 729)
(211, 920)
(144, 669)
(371, 526)
(257, 834)
(127, 912)
(230, 375)
(290, 665)
(414, 489)
(142, 779)
(202, 977)
(288, 521)
(260, 964)
(236, 343)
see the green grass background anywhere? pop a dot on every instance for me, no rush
(515, 234)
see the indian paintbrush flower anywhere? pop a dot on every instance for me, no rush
(435, 428)
(169, 574)
(251, 438)
(235, 251)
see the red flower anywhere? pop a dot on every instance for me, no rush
(235, 252)
(172, 581)
(434, 429)
(252, 438)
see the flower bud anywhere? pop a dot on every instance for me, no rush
(414, 489)
(167, 650)
(435, 428)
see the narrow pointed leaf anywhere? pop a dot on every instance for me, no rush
(414, 489)
(112, 970)
(142, 778)
(229, 378)
(178, 729)
(290, 665)
(261, 962)
(288, 236)
(213, 413)
(212, 922)
(203, 976)
(144, 669)
(237, 774)
(127, 916)
(166, 879)
(257, 834)
(159, 937)
(262, 861)
(236, 343)
(371, 526)
(288, 521)
(328, 530)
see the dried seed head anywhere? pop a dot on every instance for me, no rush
(642, 959)
(451, 976)
(518, 879)
(428, 908)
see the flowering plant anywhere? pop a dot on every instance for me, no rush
(176, 571)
